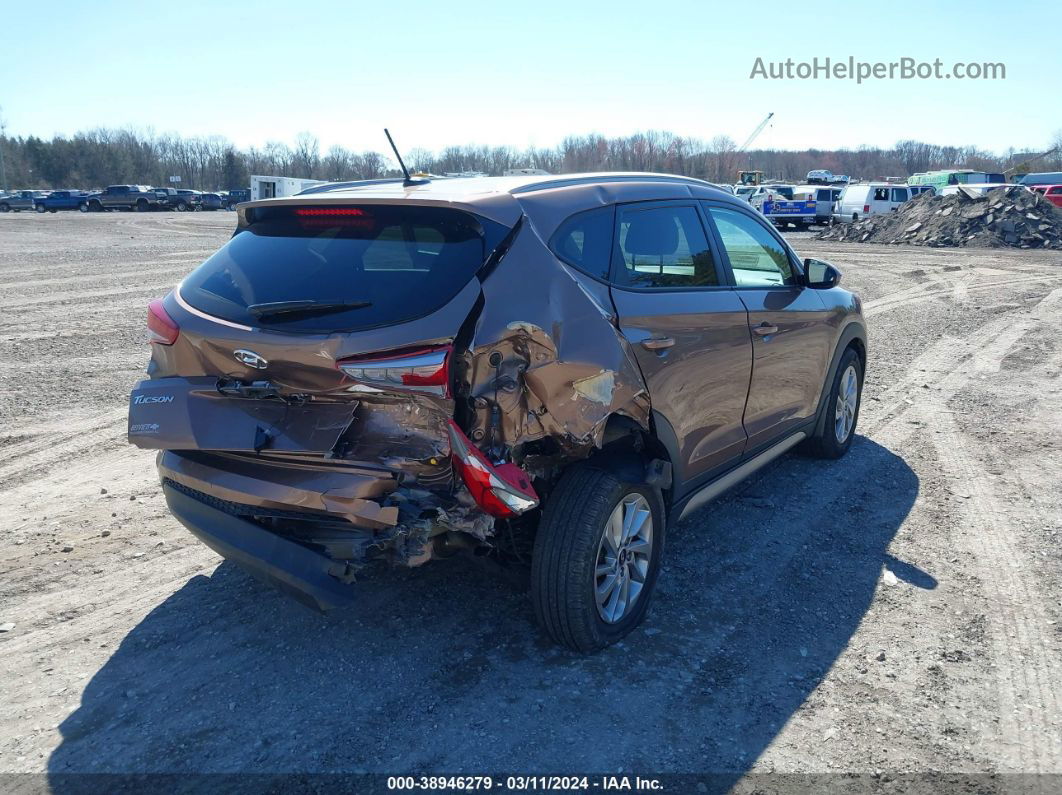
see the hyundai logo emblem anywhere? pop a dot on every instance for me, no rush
(250, 358)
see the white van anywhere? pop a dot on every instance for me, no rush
(859, 201)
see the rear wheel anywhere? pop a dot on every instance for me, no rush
(834, 438)
(596, 558)
(94, 206)
(40, 208)
(141, 205)
(84, 208)
(5, 208)
(181, 207)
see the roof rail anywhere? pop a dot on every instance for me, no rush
(647, 177)
(330, 186)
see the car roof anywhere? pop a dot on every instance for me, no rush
(505, 199)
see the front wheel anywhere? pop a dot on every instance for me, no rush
(83, 208)
(40, 208)
(596, 558)
(834, 438)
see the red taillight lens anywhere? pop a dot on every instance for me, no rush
(423, 370)
(503, 490)
(163, 328)
(866, 208)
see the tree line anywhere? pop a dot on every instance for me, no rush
(100, 157)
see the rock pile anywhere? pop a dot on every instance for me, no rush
(1012, 217)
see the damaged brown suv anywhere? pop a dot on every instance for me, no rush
(543, 368)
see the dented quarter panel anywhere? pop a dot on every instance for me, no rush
(546, 358)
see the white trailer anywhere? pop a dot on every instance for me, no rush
(263, 187)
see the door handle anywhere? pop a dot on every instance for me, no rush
(765, 329)
(658, 343)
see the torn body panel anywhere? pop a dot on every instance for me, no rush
(546, 359)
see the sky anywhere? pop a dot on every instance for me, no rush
(526, 74)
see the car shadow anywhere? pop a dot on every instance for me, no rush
(441, 669)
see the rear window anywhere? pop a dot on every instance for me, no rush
(391, 263)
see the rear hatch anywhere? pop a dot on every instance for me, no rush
(319, 333)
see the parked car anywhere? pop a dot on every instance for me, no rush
(824, 198)
(124, 197)
(1053, 193)
(21, 200)
(1040, 178)
(237, 196)
(825, 177)
(977, 187)
(209, 201)
(172, 199)
(61, 200)
(557, 368)
(859, 201)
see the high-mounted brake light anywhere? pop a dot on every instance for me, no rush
(502, 490)
(307, 212)
(163, 328)
(423, 370)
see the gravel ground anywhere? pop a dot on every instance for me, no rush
(895, 612)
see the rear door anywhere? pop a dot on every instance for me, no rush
(791, 335)
(689, 331)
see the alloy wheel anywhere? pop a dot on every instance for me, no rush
(847, 401)
(623, 557)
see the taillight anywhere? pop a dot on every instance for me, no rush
(866, 209)
(163, 328)
(503, 490)
(424, 370)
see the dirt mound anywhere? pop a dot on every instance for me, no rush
(1008, 217)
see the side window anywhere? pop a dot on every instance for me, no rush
(663, 247)
(756, 256)
(585, 241)
(899, 194)
(881, 194)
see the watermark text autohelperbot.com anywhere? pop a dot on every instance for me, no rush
(861, 71)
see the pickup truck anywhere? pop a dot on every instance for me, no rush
(62, 200)
(172, 199)
(782, 211)
(21, 200)
(124, 197)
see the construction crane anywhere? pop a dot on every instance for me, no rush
(751, 177)
(755, 133)
(1030, 160)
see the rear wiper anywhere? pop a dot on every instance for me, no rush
(306, 306)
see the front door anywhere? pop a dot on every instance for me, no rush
(689, 331)
(791, 336)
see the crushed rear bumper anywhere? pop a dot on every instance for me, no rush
(295, 569)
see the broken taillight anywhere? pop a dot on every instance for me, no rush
(502, 490)
(423, 370)
(163, 328)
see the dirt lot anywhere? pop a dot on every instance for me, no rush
(896, 612)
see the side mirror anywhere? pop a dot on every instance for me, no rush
(819, 275)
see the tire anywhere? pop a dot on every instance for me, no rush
(141, 205)
(82, 208)
(94, 207)
(570, 547)
(5, 208)
(181, 207)
(40, 208)
(855, 217)
(829, 442)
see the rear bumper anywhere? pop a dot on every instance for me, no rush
(295, 569)
(351, 493)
